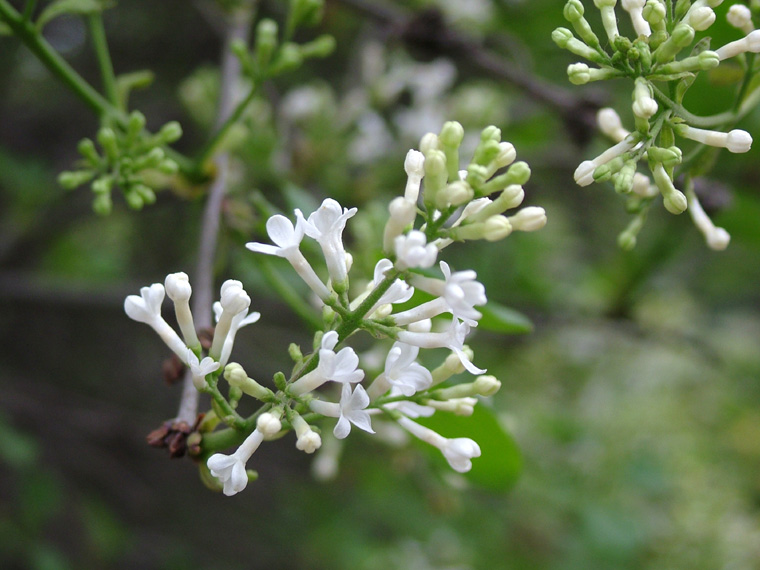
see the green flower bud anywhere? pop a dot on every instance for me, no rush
(134, 199)
(435, 174)
(681, 37)
(135, 124)
(87, 149)
(169, 133)
(674, 200)
(578, 73)
(168, 166)
(289, 57)
(102, 185)
(624, 178)
(450, 138)
(150, 160)
(266, 42)
(72, 179)
(146, 193)
(321, 47)
(573, 13)
(654, 12)
(304, 13)
(455, 194)
(573, 10)
(107, 139)
(102, 204)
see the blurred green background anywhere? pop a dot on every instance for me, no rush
(635, 401)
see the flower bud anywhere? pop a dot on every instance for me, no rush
(701, 18)
(739, 16)
(528, 219)
(486, 385)
(269, 423)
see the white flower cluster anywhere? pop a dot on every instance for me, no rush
(454, 206)
(662, 32)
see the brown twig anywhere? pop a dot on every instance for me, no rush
(237, 29)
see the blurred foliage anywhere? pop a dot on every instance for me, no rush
(635, 402)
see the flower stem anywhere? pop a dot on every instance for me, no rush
(98, 33)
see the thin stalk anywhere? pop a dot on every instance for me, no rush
(210, 147)
(238, 28)
(103, 55)
(28, 34)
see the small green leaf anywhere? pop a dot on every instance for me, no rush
(61, 7)
(128, 82)
(500, 461)
(501, 319)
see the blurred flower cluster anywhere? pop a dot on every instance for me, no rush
(661, 75)
(453, 205)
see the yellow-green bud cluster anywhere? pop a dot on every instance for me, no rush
(129, 158)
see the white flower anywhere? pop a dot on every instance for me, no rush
(234, 300)
(288, 239)
(458, 451)
(610, 124)
(413, 251)
(147, 309)
(242, 319)
(178, 290)
(326, 226)
(350, 410)
(402, 373)
(458, 294)
(307, 440)
(716, 238)
(452, 338)
(528, 219)
(736, 141)
(199, 369)
(414, 165)
(230, 469)
(644, 105)
(341, 367)
(398, 292)
(749, 43)
(635, 8)
(739, 16)
(584, 174)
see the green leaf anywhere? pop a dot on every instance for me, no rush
(501, 319)
(61, 7)
(500, 461)
(127, 82)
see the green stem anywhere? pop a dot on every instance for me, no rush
(29, 35)
(748, 75)
(59, 67)
(29, 9)
(208, 149)
(98, 33)
(713, 120)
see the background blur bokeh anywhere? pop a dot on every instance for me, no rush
(635, 401)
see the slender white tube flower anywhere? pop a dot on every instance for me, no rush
(230, 469)
(200, 368)
(736, 141)
(635, 9)
(610, 124)
(234, 300)
(749, 43)
(644, 106)
(716, 238)
(288, 239)
(528, 219)
(401, 216)
(739, 16)
(414, 165)
(178, 289)
(147, 309)
(413, 251)
(452, 338)
(457, 451)
(326, 226)
(307, 440)
(402, 373)
(341, 367)
(584, 174)
(350, 410)
(609, 20)
(242, 319)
